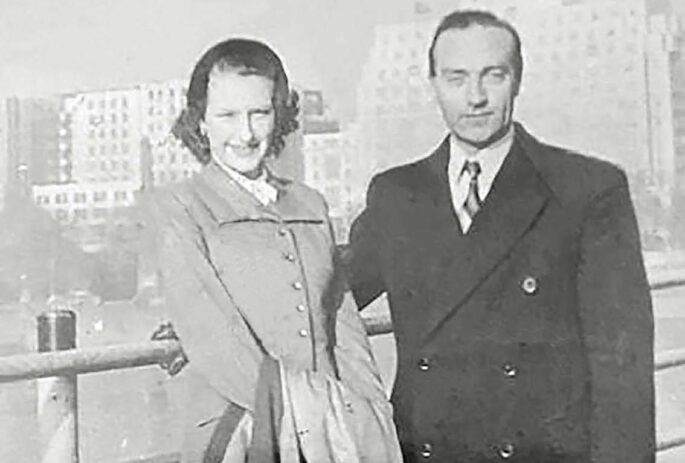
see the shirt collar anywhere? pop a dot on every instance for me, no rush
(490, 158)
(259, 188)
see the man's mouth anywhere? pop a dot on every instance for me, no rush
(478, 115)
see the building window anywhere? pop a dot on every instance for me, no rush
(124, 117)
(124, 148)
(151, 95)
(99, 196)
(113, 103)
(81, 214)
(61, 198)
(61, 214)
(113, 118)
(124, 165)
(120, 195)
(79, 198)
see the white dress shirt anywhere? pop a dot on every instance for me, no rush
(490, 159)
(259, 187)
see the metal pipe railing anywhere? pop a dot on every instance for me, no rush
(122, 356)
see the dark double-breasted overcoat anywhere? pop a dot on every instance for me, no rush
(530, 338)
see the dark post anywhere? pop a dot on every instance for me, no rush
(57, 396)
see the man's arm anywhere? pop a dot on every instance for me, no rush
(363, 257)
(618, 327)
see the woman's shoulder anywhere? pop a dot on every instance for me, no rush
(169, 202)
(303, 192)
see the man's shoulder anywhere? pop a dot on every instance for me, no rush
(571, 173)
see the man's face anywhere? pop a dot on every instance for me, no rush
(474, 83)
(239, 119)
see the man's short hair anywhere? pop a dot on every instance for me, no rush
(463, 19)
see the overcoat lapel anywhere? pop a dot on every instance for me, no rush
(516, 199)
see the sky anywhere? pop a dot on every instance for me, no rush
(55, 46)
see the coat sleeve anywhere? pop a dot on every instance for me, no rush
(363, 257)
(215, 339)
(617, 323)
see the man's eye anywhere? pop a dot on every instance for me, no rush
(456, 79)
(495, 76)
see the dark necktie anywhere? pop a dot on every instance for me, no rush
(473, 202)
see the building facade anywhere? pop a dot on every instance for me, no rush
(32, 143)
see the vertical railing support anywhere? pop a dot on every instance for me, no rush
(57, 396)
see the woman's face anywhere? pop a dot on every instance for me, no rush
(239, 120)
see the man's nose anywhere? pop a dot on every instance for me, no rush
(477, 95)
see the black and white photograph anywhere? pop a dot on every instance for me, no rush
(327, 231)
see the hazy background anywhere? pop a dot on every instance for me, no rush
(49, 46)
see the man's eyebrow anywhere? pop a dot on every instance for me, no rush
(496, 67)
(453, 71)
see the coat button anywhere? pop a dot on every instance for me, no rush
(282, 231)
(290, 257)
(426, 450)
(506, 451)
(303, 333)
(301, 308)
(529, 285)
(510, 370)
(424, 364)
(297, 285)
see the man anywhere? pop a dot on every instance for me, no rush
(515, 279)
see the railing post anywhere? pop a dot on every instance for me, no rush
(57, 396)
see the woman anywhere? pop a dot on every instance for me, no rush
(281, 365)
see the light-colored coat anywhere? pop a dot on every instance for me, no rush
(236, 274)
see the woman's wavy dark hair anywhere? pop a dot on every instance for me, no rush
(245, 57)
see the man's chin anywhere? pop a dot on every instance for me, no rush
(480, 139)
